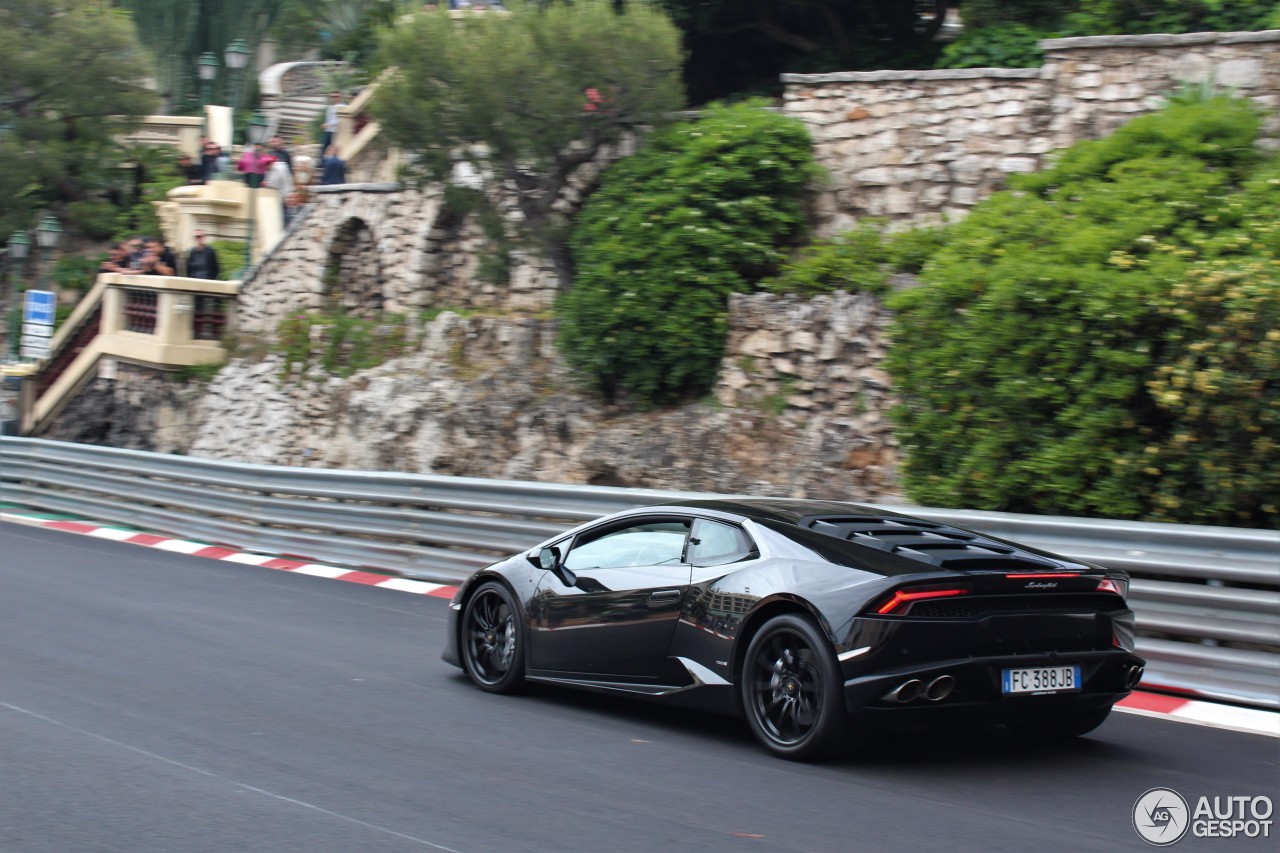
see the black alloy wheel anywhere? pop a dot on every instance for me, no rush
(791, 691)
(492, 639)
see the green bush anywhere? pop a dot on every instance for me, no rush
(1101, 338)
(705, 209)
(77, 273)
(1111, 17)
(230, 257)
(861, 260)
(343, 344)
(999, 46)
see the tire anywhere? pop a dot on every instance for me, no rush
(791, 691)
(1061, 728)
(492, 639)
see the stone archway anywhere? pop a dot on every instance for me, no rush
(352, 277)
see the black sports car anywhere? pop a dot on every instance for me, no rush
(818, 621)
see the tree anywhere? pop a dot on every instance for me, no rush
(743, 45)
(67, 69)
(1101, 338)
(706, 209)
(177, 32)
(527, 97)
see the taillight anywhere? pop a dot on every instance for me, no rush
(1119, 586)
(1046, 575)
(906, 596)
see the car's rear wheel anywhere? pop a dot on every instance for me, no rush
(492, 639)
(791, 691)
(1061, 727)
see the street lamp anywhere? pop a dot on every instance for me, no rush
(48, 235)
(18, 246)
(237, 57)
(207, 65)
(257, 132)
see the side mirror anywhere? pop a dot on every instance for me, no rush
(549, 559)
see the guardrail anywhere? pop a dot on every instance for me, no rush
(1207, 598)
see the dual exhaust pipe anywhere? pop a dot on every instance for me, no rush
(1132, 677)
(911, 690)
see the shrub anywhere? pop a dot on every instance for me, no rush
(860, 260)
(341, 344)
(1000, 46)
(705, 209)
(1100, 339)
(230, 257)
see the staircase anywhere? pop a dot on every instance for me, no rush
(294, 94)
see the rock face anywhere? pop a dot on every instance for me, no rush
(490, 397)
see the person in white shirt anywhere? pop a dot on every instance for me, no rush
(331, 120)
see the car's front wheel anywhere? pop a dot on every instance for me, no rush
(791, 691)
(492, 640)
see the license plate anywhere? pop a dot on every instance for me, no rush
(1041, 680)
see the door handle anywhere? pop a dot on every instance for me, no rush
(664, 595)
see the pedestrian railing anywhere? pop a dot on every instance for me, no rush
(1207, 598)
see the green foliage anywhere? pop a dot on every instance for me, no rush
(706, 209)
(230, 257)
(339, 343)
(339, 29)
(1109, 17)
(57, 140)
(1101, 339)
(1000, 46)
(75, 273)
(527, 97)
(861, 260)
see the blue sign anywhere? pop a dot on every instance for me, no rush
(40, 307)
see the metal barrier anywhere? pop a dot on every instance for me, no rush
(1207, 598)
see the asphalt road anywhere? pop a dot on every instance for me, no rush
(157, 702)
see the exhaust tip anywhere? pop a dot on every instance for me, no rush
(1134, 677)
(907, 691)
(940, 688)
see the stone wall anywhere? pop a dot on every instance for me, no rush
(925, 145)
(488, 396)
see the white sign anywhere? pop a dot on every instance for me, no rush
(39, 330)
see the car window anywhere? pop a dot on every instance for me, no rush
(652, 543)
(714, 543)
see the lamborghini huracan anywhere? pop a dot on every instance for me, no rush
(818, 621)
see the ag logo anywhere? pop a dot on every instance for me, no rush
(1161, 816)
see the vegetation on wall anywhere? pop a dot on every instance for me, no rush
(338, 343)
(860, 260)
(705, 209)
(1102, 338)
(1005, 33)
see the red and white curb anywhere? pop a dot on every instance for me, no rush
(1139, 702)
(1250, 720)
(215, 552)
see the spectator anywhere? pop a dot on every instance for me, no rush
(212, 161)
(253, 165)
(117, 259)
(133, 255)
(332, 168)
(292, 206)
(150, 264)
(331, 121)
(202, 260)
(279, 178)
(276, 148)
(193, 172)
(166, 263)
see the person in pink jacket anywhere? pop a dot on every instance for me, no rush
(254, 164)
